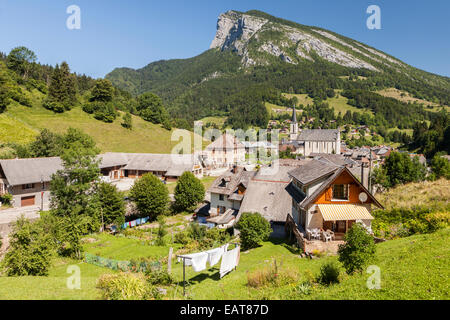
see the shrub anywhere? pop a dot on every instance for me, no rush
(150, 195)
(188, 192)
(159, 277)
(161, 231)
(304, 288)
(272, 275)
(358, 249)
(329, 273)
(6, 198)
(126, 286)
(182, 237)
(31, 250)
(254, 229)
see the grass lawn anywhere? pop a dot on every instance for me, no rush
(415, 267)
(54, 287)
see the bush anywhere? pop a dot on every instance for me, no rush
(188, 192)
(358, 249)
(254, 229)
(272, 275)
(159, 277)
(161, 231)
(31, 250)
(182, 237)
(150, 195)
(6, 198)
(405, 222)
(329, 273)
(126, 286)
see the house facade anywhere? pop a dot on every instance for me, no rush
(168, 167)
(329, 197)
(225, 151)
(28, 180)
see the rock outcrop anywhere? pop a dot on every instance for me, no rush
(252, 36)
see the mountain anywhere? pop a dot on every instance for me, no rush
(257, 56)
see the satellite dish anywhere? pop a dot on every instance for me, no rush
(362, 197)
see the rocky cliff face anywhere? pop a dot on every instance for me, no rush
(254, 37)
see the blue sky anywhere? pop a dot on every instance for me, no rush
(134, 33)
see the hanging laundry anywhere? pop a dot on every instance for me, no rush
(214, 255)
(199, 261)
(229, 260)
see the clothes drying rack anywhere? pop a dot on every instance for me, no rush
(184, 268)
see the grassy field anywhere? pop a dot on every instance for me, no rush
(339, 103)
(411, 268)
(219, 121)
(428, 193)
(21, 124)
(406, 97)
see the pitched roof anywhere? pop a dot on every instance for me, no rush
(172, 164)
(232, 179)
(318, 135)
(113, 159)
(304, 202)
(33, 170)
(313, 170)
(226, 141)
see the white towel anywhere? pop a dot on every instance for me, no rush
(199, 261)
(229, 260)
(214, 255)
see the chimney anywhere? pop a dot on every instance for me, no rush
(362, 175)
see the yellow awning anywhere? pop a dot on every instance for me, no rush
(335, 212)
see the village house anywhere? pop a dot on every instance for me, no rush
(327, 196)
(168, 167)
(28, 180)
(225, 151)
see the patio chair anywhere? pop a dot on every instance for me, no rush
(315, 234)
(331, 233)
(326, 236)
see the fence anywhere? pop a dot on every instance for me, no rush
(292, 229)
(125, 266)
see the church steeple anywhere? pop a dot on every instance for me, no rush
(294, 125)
(294, 115)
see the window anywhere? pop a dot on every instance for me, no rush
(28, 186)
(221, 197)
(340, 192)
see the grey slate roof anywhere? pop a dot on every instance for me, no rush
(232, 179)
(313, 170)
(267, 194)
(318, 135)
(113, 159)
(173, 165)
(34, 170)
(227, 142)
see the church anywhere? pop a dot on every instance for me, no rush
(314, 140)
